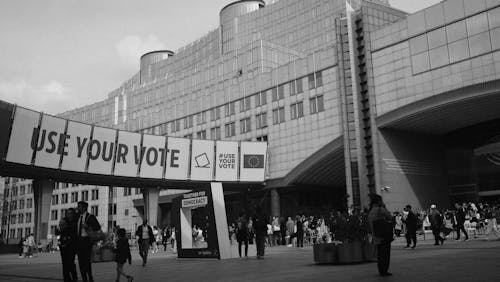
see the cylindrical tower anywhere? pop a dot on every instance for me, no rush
(229, 21)
(150, 58)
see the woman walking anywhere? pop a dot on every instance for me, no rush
(122, 255)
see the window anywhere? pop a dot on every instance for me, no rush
(230, 109)
(175, 125)
(53, 215)
(22, 190)
(291, 86)
(319, 79)
(28, 217)
(262, 138)
(188, 122)
(215, 133)
(245, 104)
(201, 118)
(312, 83)
(245, 125)
(299, 85)
(55, 199)
(127, 192)
(274, 94)
(13, 205)
(53, 229)
(21, 218)
(19, 232)
(316, 104)
(297, 110)
(261, 120)
(74, 197)
(201, 134)
(278, 115)
(27, 231)
(21, 204)
(137, 191)
(12, 233)
(64, 212)
(215, 114)
(94, 210)
(126, 212)
(95, 194)
(14, 191)
(13, 218)
(29, 203)
(261, 98)
(30, 189)
(85, 196)
(230, 129)
(281, 91)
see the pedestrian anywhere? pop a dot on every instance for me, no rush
(86, 223)
(122, 255)
(20, 246)
(172, 240)
(436, 225)
(410, 220)
(165, 235)
(67, 243)
(260, 226)
(145, 237)
(460, 213)
(398, 224)
(155, 240)
(283, 230)
(380, 222)
(242, 234)
(30, 243)
(290, 230)
(300, 232)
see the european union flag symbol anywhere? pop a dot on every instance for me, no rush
(253, 161)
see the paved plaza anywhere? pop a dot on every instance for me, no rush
(474, 260)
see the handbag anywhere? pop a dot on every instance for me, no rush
(94, 235)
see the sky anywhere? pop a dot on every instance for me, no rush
(56, 55)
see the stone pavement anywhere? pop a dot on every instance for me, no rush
(474, 260)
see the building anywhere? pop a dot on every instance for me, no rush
(352, 99)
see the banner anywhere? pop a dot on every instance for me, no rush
(226, 161)
(177, 158)
(20, 144)
(202, 160)
(253, 161)
(153, 154)
(78, 136)
(101, 150)
(52, 142)
(127, 154)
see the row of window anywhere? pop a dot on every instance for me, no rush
(74, 197)
(15, 206)
(127, 191)
(12, 232)
(294, 87)
(21, 190)
(20, 218)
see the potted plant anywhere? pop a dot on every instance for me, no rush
(324, 250)
(351, 233)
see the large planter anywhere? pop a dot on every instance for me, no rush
(351, 252)
(325, 253)
(102, 254)
(369, 251)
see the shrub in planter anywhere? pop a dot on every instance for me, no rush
(352, 231)
(325, 253)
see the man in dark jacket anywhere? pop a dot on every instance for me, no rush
(145, 238)
(410, 220)
(436, 224)
(460, 217)
(86, 223)
(260, 226)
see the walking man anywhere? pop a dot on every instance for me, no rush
(436, 224)
(86, 223)
(410, 220)
(380, 222)
(460, 217)
(260, 232)
(145, 237)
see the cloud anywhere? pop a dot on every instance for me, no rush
(51, 97)
(132, 47)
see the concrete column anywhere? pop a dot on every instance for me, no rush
(150, 196)
(42, 197)
(275, 203)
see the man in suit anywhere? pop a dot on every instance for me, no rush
(460, 217)
(410, 220)
(436, 224)
(86, 223)
(145, 237)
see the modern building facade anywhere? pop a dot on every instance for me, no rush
(352, 97)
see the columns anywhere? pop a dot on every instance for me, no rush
(42, 197)
(150, 196)
(275, 203)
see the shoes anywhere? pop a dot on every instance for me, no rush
(413, 247)
(130, 278)
(386, 274)
(442, 241)
(143, 264)
(466, 239)
(407, 246)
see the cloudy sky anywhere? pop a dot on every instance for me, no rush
(60, 54)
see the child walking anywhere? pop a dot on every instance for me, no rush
(122, 255)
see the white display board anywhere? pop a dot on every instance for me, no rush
(253, 161)
(78, 138)
(101, 150)
(202, 160)
(24, 130)
(128, 154)
(52, 142)
(153, 155)
(226, 161)
(177, 165)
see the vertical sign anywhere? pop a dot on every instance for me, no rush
(202, 160)
(253, 161)
(101, 150)
(78, 138)
(128, 154)
(52, 142)
(153, 153)
(177, 158)
(23, 129)
(226, 161)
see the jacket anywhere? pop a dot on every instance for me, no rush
(138, 233)
(123, 251)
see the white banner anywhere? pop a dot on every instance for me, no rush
(52, 142)
(24, 128)
(253, 161)
(78, 138)
(128, 154)
(101, 150)
(153, 156)
(194, 202)
(202, 160)
(226, 161)
(177, 158)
